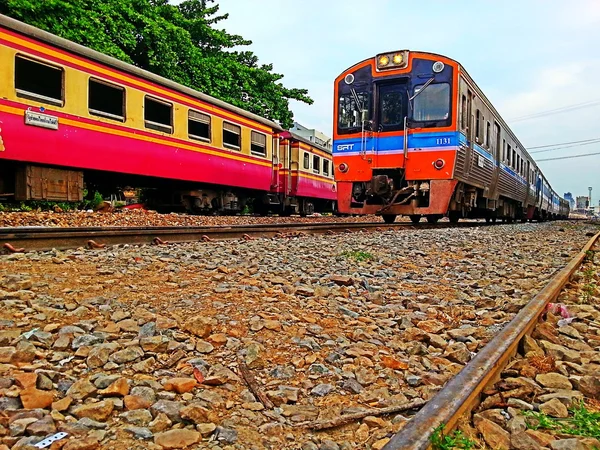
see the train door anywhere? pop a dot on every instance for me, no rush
(392, 107)
(538, 190)
(470, 134)
(493, 189)
(275, 159)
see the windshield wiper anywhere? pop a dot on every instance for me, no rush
(427, 83)
(357, 102)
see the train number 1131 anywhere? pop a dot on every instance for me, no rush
(443, 141)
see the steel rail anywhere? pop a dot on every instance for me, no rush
(48, 238)
(462, 393)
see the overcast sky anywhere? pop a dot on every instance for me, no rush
(528, 56)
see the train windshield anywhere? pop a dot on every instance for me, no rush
(349, 115)
(433, 104)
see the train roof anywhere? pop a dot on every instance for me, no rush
(65, 44)
(306, 141)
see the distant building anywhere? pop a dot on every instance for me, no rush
(312, 135)
(582, 202)
(570, 199)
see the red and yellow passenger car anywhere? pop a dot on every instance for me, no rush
(414, 135)
(70, 115)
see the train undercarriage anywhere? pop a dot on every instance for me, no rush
(388, 194)
(28, 182)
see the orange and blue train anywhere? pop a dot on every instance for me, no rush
(71, 117)
(415, 136)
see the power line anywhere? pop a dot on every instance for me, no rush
(562, 143)
(567, 146)
(556, 111)
(568, 157)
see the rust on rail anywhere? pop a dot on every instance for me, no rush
(461, 394)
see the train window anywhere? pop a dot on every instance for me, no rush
(433, 103)
(316, 164)
(158, 115)
(477, 128)
(106, 100)
(463, 112)
(348, 115)
(487, 134)
(508, 155)
(232, 135)
(390, 106)
(514, 158)
(326, 167)
(306, 164)
(258, 143)
(504, 151)
(198, 126)
(39, 81)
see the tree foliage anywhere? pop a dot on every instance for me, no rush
(179, 42)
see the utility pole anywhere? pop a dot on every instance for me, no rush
(590, 197)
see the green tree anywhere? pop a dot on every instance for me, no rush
(179, 42)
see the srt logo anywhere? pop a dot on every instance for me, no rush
(343, 147)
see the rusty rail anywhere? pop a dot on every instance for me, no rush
(47, 238)
(461, 394)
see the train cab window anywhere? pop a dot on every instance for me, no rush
(316, 164)
(433, 104)
(349, 116)
(258, 144)
(39, 81)
(232, 135)
(158, 115)
(198, 126)
(326, 167)
(106, 100)
(306, 163)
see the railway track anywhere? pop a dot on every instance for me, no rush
(40, 239)
(462, 394)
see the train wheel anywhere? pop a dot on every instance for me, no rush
(488, 219)
(415, 218)
(433, 218)
(389, 218)
(494, 219)
(454, 216)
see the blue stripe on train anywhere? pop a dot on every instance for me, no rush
(395, 144)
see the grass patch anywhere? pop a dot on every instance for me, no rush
(358, 255)
(441, 441)
(583, 422)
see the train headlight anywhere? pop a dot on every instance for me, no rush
(395, 60)
(343, 167)
(439, 164)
